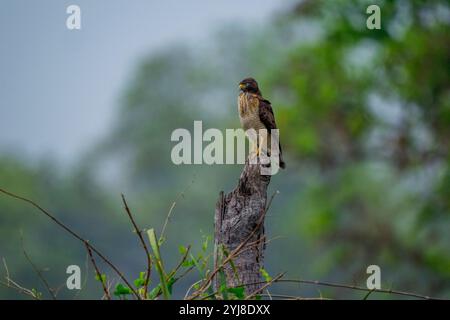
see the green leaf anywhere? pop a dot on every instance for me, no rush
(195, 263)
(121, 290)
(200, 270)
(170, 283)
(154, 292)
(239, 292)
(205, 243)
(139, 282)
(36, 293)
(159, 263)
(188, 263)
(223, 284)
(182, 249)
(265, 275)
(101, 278)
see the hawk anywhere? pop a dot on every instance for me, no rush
(256, 113)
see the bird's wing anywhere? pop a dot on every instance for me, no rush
(268, 119)
(266, 114)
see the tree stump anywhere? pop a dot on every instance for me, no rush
(239, 218)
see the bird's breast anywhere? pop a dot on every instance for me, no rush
(248, 107)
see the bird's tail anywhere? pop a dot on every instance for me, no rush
(282, 163)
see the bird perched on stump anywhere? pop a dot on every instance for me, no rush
(256, 113)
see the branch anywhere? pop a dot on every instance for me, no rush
(359, 288)
(14, 285)
(144, 245)
(266, 285)
(36, 269)
(75, 235)
(169, 214)
(175, 270)
(345, 286)
(99, 275)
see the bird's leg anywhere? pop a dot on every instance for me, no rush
(262, 150)
(253, 150)
(253, 140)
(259, 145)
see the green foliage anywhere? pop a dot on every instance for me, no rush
(159, 264)
(121, 290)
(101, 278)
(238, 292)
(37, 294)
(366, 114)
(153, 294)
(265, 275)
(139, 282)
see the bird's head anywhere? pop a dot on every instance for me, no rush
(249, 85)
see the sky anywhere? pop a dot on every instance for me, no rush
(59, 88)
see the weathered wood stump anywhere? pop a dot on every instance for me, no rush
(239, 218)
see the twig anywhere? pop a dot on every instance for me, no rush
(184, 273)
(19, 288)
(288, 297)
(270, 200)
(36, 269)
(86, 272)
(353, 287)
(267, 284)
(6, 269)
(99, 274)
(175, 270)
(169, 214)
(368, 294)
(14, 285)
(346, 286)
(190, 288)
(75, 235)
(167, 220)
(144, 245)
(183, 259)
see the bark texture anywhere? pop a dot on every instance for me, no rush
(239, 214)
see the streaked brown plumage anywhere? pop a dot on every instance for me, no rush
(255, 112)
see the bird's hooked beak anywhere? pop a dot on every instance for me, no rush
(242, 86)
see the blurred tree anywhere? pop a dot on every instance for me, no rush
(370, 110)
(76, 199)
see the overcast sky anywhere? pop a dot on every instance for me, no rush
(59, 88)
